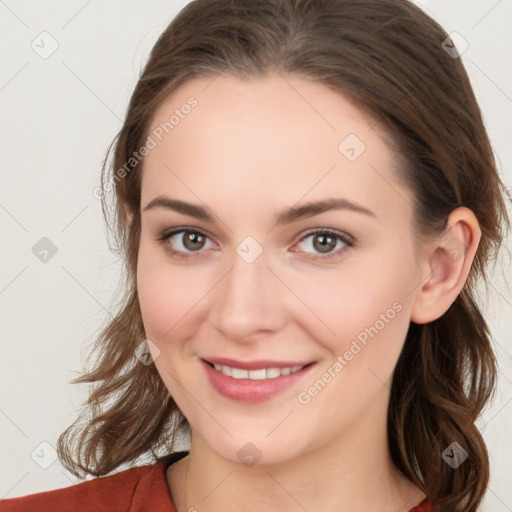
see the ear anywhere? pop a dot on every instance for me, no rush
(128, 213)
(445, 266)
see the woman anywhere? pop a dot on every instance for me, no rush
(305, 197)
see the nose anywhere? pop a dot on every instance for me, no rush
(250, 301)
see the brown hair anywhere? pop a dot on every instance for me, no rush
(387, 57)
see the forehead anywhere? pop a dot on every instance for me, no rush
(281, 137)
(275, 110)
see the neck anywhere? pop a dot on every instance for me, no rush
(353, 472)
(356, 484)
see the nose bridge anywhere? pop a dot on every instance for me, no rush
(248, 300)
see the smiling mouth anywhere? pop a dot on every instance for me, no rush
(258, 374)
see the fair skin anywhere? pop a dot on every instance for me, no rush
(247, 151)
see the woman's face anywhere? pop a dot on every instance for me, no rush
(249, 284)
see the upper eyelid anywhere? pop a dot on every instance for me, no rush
(174, 231)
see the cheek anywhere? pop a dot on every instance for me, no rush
(369, 315)
(156, 288)
(345, 306)
(362, 311)
(170, 295)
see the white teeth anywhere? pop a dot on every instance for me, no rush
(258, 374)
(272, 373)
(238, 373)
(261, 374)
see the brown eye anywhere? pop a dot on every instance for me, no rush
(183, 243)
(193, 240)
(324, 241)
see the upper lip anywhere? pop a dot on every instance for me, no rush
(255, 365)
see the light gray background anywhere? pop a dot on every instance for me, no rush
(58, 115)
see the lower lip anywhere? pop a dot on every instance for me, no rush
(252, 391)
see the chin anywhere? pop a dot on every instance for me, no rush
(253, 451)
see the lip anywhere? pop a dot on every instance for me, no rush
(253, 391)
(255, 365)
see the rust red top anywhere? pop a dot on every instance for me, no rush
(138, 489)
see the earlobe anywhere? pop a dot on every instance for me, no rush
(447, 265)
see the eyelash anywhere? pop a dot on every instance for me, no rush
(339, 235)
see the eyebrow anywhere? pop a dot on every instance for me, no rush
(286, 216)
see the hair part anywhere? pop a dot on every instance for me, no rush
(386, 57)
